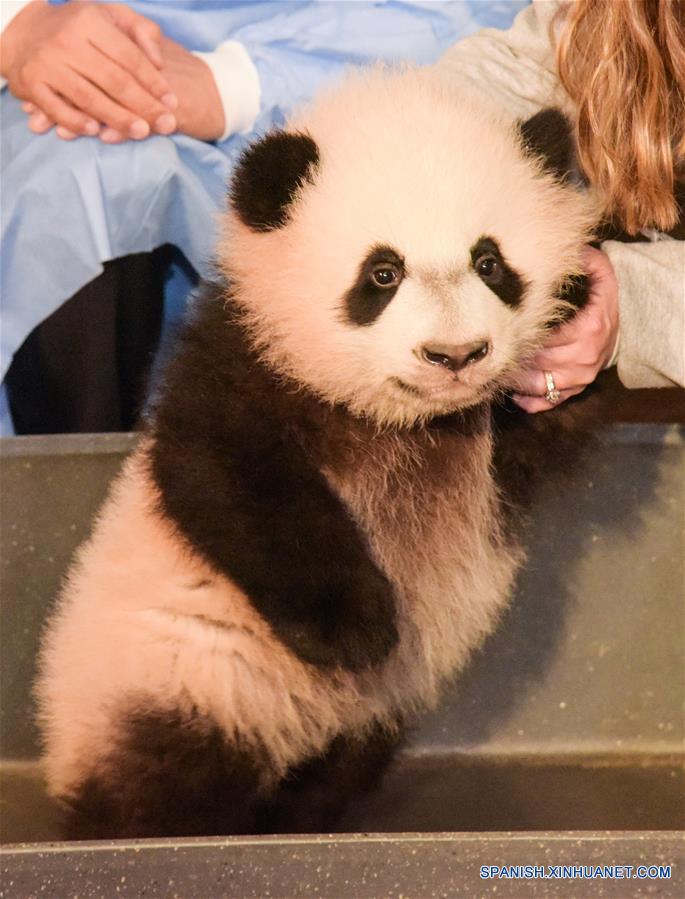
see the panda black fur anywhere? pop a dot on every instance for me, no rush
(311, 537)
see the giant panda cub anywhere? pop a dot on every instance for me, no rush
(310, 537)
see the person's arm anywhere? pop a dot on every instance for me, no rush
(651, 299)
(237, 82)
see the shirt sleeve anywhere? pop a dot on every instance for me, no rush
(513, 69)
(237, 81)
(651, 301)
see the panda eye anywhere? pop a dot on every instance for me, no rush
(385, 275)
(488, 267)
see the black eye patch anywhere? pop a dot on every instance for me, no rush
(378, 278)
(494, 270)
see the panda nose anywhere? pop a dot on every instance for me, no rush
(455, 357)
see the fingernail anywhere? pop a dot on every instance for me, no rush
(91, 128)
(107, 135)
(64, 133)
(170, 101)
(38, 121)
(139, 129)
(165, 124)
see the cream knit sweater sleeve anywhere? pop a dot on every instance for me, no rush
(516, 70)
(651, 299)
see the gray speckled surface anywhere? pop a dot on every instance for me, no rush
(409, 866)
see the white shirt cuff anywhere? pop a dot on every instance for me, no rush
(8, 10)
(237, 81)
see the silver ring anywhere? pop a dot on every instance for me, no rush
(552, 396)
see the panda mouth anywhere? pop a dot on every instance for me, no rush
(408, 388)
(428, 393)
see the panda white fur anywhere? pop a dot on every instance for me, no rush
(310, 536)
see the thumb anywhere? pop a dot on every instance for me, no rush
(146, 33)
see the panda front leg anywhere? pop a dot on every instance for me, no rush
(170, 774)
(254, 504)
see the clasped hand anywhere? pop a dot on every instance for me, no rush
(101, 69)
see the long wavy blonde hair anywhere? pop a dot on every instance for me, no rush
(622, 62)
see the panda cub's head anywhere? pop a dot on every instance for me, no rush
(397, 248)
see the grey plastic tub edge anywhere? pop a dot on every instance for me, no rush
(66, 444)
(62, 444)
(356, 866)
(570, 717)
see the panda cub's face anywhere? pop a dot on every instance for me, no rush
(396, 250)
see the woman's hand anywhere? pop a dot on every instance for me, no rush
(576, 351)
(80, 65)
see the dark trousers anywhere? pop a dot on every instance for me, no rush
(85, 368)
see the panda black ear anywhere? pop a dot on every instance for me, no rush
(548, 136)
(267, 176)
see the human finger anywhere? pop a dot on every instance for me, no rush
(591, 345)
(119, 47)
(61, 112)
(112, 136)
(86, 96)
(39, 123)
(529, 382)
(534, 404)
(572, 355)
(564, 334)
(533, 382)
(146, 33)
(64, 133)
(596, 263)
(123, 89)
